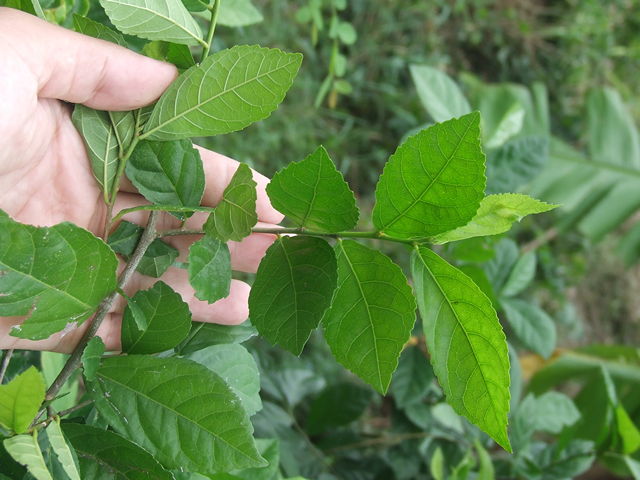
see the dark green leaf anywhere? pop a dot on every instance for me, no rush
(516, 163)
(104, 455)
(125, 238)
(196, 5)
(533, 327)
(371, 314)
(166, 20)
(95, 29)
(434, 181)
(62, 450)
(338, 404)
(56, 275)
(439, 94)
(91, 357)
(235, 215)
(314, 194)
(292, 290)
(203, 335)
(235, 365)
(412, 379)
(196, 410)
(155, 320)
(467, 345)
(175, 53)
(228, 91)
(210, 269)
(25, 450)
(168, 173)
(20, 400)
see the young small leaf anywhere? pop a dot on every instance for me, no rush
(236, 366)
(101, 452)
(439, 94)
(61, 449)
(496, 215)
(168, 173)
(228, 91)
(629, 433)
(235, 215)
(434, 181)
(89, 27)
(91, 357)
(210, 269)
(101, 141)
(371, 314)
(179, 55)
(157, 259)
(314, 195)
(533, 327)
(20, 400)
(155, 320)
(198, 412)
(292, 290)
(25, 450)
(467, 345)
(154, 20)
(55, 275)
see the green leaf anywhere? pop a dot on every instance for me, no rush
(62, 450)
(516, 163)
(628, 432)
(314, 195)
(30, 6)
(175, 53)
(521, 275)
(347, 33)
(633, 466)
(210, 269)
(371, 314)
(533, 327)
(124, 126)
(25, 450)
(486, 471)
(436, 465)
(503, 114)
(270, 450)
(434, 182)
(337, 405)
(439, 94)
(168, 173)
(203, 335)
(292, 290)
(236, 366)
(238, 13)
(104, 455)
(57, 276)
(20, 400)
(467, 345)
(228, 91)
(51, 364)
(501, 265)
(235, 215)
(101, 142)
(91, 357)
(412, 379)
(497, 213)
(89, 27)
(155, 320)
(166, 20)
(196, 409)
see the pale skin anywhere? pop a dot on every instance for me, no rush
(45, 176)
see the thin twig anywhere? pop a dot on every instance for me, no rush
(5, 363)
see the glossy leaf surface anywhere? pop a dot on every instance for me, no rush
(210, 269)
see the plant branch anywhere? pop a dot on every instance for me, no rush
(123, 158)
(5, 363)
(74, 360)
(214, 9)
(160, 208)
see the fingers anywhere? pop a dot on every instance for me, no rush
(80, 69)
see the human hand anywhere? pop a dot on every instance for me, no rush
(45, 177)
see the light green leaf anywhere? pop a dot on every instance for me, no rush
(486, 471)
(196, 409)
(238, 13)
(516, 163)
(503, 114)
(168, 173)
(533, 327)
(497, 213)
(371, 314)
(57, 276)
(337, 405)
(166, 20)
(20, 400)
(236, 366)
(104, 455)
(633, 466)
(155, 320)
(412, 379)
(124, 126)
(436, 465)
(89, 27)
(521, 276)
(501, 265)
(439, 94)
(30, 6)
(228, 91)
(203, 335)
(101, 142)
(235, 215)
(434, 182)
(314, 195)
(25, 450)
(175, 53)
(210, 269)
(51, 364)
(467, 345)
(292, 290)
(91, 357)
(62, 450)
(629, 433)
